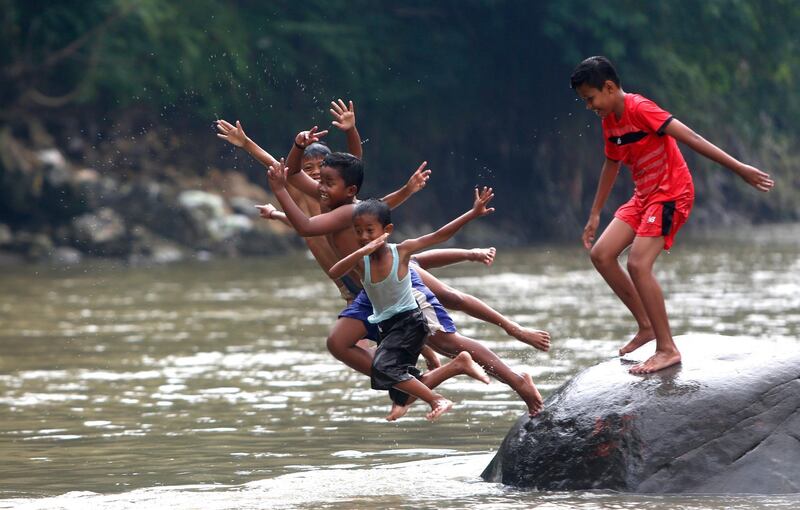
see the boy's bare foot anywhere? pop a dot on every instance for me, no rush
(397, 412)
(484, 255)
(440, 406)
(658, 361)
(533, 337)
(467, 366)
(642, 337)
(531, 395)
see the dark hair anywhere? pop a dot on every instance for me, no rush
(316, 150)
(349, 167)
(594, 71)
(374, 207)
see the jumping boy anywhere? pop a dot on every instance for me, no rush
(387, 282)
(640, 134)
(343, 341)
(344, 118)
(306, 182)
(342, 175)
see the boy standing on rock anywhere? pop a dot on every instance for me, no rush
(640, 134)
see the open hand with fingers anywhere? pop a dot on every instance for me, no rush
(277, 174)
(266, 211)
(344, 115)
(230, 133)
(306, 138)
(756, 178)
(589, 231)
(482, 199)
(419, 178)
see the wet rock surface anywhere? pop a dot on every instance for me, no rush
(726, 420)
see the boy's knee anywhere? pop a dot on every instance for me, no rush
(600, 257)
(637, 268)
(334, 345)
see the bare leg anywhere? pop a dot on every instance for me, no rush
(438, 403)
(344, 343)
(463, 364)
(643, 255)
(451, 344)
(605, 253)
(457, 300)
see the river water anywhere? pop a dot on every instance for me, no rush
(208, 385)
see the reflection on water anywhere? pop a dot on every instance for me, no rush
(208, 385)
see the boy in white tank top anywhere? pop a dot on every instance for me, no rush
(387, 283)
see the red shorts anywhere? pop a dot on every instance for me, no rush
(656, 219)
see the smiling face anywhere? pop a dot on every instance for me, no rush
(602, 101)
(368, 228)
(312, 165)
(333, 191)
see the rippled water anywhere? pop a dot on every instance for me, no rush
(207, 385)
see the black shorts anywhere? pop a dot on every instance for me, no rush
(401, 340)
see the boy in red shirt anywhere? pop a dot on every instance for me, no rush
(640, 134)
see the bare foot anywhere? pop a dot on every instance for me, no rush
(397, 412)
(467, 366)
(532, 337)
(642, 337)
(656, 362)
(440, 406)
(531, 395)
(484, 255)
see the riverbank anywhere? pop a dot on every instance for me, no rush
(56, 210)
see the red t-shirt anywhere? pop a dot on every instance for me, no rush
(637, 139)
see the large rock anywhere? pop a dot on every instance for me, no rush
(102, 233)
(727, 420)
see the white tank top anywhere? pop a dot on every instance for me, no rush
(389, 296)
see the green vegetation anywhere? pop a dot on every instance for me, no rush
(479, 88)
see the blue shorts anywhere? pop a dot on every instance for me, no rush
(436, 317)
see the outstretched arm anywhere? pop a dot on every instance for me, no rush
(415, 183)
(411, 246)
(441, 257)
(270, 212)
(322, 224)
(751, 175)
(236, 136)
(347, 264)
(345, 119)
(607, 178)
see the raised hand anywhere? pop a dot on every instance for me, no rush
(484, 255)
(589, 231)
(230, 133)
(419, 178)
(482, 199)
(344, 116)
(266, 211)
(756, 178)
(276, 174)
(306, 138)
